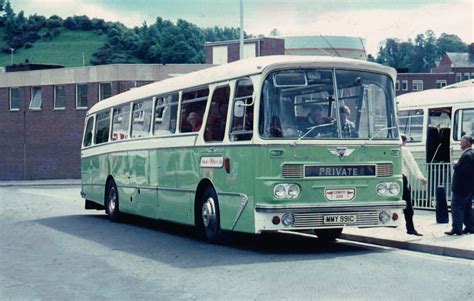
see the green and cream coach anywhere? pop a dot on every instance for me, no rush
(262, 144)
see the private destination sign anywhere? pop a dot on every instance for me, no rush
(339, 171)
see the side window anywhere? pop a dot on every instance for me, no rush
(102, 127)
(120, 121)
(463, 123)
(166, 115)
(241, 127)
(411, 124)
(192, 110)
(217, 117)
(141, 118)
(87, 141)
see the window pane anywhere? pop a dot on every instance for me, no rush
(14, 99)
(36, 99)
(166, 115)
(59, 97)
(464, 123)
(192, 110)
(411, 124)
(242, 124)
(81, 97)
(120, 122)
(102, 127)
(142, 112)
(216, 120)
(88, 133)
(105, 90)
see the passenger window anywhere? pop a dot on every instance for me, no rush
(121, 118)
(88, 132)
(242, 112)
(192, 110)
(102, 127)
(166, 115)
(411, 124)
(141, 118)
(463, 123)
(216, 120)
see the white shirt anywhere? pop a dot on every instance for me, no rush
(409, 166)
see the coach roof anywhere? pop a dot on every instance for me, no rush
(437, 97)
(235, 70)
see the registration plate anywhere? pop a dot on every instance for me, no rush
(339, 219)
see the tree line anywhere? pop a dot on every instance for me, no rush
(166, 42)
(420, 54)
(161, 42)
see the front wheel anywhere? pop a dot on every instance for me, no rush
(210, 222)
(328, 234)
(112, 202)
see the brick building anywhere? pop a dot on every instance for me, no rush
(229, 51)
(453, 67)
(42, 114)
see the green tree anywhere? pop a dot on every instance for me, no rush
(450, 43)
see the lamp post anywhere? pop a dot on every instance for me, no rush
(241, 29)
(11, 56)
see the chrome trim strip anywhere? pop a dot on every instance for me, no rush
(340, 186)
(243, 203)
(175, 189)
(329, 207)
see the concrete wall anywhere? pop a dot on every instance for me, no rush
(46, 144)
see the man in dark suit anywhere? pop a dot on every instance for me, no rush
(463, 190)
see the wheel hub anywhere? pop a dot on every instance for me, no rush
(208, 212)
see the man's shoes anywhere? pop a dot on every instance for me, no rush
(466, 231)
(413, 232)
(452, 233)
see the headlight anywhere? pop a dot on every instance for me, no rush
(286, 191)
(388, 189)
(279, 191)
(293, 191)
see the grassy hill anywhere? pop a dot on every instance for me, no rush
(66, 49)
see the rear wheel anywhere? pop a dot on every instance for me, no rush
(328, 234)
(210, 222)
(112, 202)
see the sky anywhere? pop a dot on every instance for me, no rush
(371, 20)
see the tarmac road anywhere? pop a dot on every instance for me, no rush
(51, 248)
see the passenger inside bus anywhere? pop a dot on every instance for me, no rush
(316, 118)
(348, 129)
(195, 121)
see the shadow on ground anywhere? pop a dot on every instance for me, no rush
(180, 246)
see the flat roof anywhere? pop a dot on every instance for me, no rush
(238, 69)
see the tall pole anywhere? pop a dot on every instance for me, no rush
(241, 29)
(11, 55)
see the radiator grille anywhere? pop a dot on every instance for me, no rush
(315, 219)
(292, 171)
(384, 170)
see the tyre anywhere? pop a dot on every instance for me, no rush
(112, 202)
(210, 223)
(328, 234)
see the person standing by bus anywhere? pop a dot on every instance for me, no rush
(409, 166)
(463, 190)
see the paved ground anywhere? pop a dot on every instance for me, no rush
(52, 249)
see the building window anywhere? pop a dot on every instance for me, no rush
(397, 85)
(36, 98)
(249, 50)
(404, 85)
(417, 85)
(105, 90)
(14, 99)
(440, 83)
(467, 76)
(59, 97)
(81, 96)
(458, 77)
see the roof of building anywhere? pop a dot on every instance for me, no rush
(438, 97)
(461, 59)
(338, 42)
(235, 70)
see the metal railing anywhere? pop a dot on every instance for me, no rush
(438, 174)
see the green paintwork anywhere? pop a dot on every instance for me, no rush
(161, 183)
